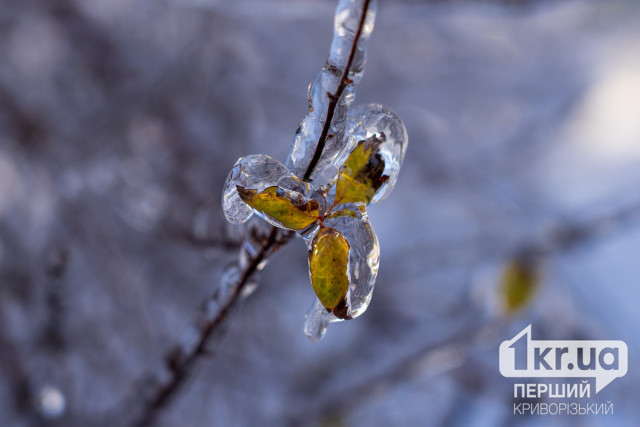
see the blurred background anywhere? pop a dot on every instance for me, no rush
(119, 121)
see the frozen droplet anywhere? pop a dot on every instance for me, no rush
(51, 401)
(317, 321)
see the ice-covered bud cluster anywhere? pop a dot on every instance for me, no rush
(331, 217)
(342, 159)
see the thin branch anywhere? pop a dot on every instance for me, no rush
(334, 98)
(181, 360)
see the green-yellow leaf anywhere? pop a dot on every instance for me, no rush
(518, 283)
(342, 213)
(328, 263)
(292, 212)
(362, 174)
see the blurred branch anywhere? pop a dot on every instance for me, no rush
(27, 126)
(181, 359)
(16, 372)
(570, 236)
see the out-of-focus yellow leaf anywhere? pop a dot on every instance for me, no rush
(328, 263)
(518, 284)
(362, 174)
(292, 213)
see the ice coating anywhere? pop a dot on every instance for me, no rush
(375, 120)
(229, 281)
(364, 257)
(345, 27)
(317, 321)
(327, 84)
(257, 172)
(327, 159)
(256, 232)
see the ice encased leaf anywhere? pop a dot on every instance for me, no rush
(325, 86)
(374, 122)
(281, 207)
(256, 172)
(328, 265)
(362, 174)
(364, 258)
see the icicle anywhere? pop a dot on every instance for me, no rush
(317, 321)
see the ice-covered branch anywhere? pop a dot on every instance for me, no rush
(316, 144)
(333, 90)
(237, 281)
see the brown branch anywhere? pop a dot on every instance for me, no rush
(181, 360)
(334, 98)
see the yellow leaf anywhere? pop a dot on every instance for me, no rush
(328, 263)
(342, 213)
(285, 207)
(361, 175)
(519, 281)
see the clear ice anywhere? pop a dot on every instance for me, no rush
(348, 127)
(257, 172)
(326, 84)
(375, 120)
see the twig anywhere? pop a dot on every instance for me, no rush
(181, 360)
(334, 98)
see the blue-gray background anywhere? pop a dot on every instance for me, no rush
(120, 119)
